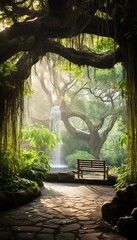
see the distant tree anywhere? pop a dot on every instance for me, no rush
(89, 108)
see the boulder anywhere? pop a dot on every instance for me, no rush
(121, 211)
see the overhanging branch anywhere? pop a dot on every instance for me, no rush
(81, 58)
(40, 47)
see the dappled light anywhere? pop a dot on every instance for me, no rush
(62, 210)
(77, 189)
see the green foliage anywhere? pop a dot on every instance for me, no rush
(123, 173)
(124, 177)
(9, 163)
(110, 78)
(102, 44)
(123, 140)
(27, 89)
(35, 161)
(113, 152)
(123, 87)
(7, 68)
(72, 69)
(16, 183)
(38, 137)
(71, 144)
(30, 164)
(72, 158)
(35, 165)
(118, 170)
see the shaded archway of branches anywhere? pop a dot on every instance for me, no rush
(34, 31)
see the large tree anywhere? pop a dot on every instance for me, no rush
(89, 106)
(34, 29)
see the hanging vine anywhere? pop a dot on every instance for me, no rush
(11, 106)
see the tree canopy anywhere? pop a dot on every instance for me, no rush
(36, 26)
(30, 29)
(89, 100)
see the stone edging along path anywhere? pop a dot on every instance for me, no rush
(9, 199)
(62, 211)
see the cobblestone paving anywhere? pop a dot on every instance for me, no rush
(62, 212)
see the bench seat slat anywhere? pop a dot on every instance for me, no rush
(92, 169)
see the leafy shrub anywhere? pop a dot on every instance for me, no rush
(9, 163)
(123, 176)
(72, 159)
(123, 180)
(16, 183)
(114, 151)
(31, 164)
(35, 161)
(36, 165)
(119, 170)
(39, 137)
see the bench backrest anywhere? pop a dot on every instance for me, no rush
(94, 163)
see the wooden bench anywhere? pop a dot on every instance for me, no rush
(92, 166)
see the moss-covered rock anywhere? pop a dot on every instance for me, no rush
(112, 179)
(14, 192)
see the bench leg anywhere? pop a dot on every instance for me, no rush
(107, 174)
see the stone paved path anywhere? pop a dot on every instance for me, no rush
(62, 212)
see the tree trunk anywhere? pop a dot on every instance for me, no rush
(130, 49)
(95, 145)
(132, 106)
